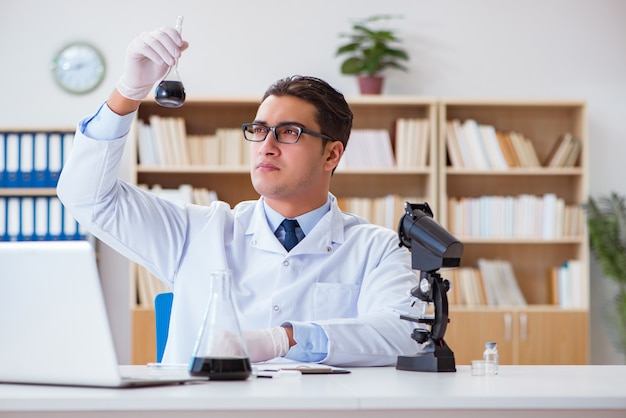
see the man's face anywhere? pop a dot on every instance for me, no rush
(291, 173)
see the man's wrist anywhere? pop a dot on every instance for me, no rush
(121, 104)
(289, 331)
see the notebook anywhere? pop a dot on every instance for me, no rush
(54, 327)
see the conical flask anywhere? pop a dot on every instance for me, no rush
(220, 352)
(170, 92)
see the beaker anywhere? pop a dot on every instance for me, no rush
(220, 352)
(170, 92)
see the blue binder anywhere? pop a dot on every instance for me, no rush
(3, 159)
(26, 159)
(12, 159)
(55, 158)
(40, 159)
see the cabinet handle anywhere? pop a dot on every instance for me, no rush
(507, 327)
(523, 325)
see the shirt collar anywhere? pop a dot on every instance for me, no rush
(306, 221)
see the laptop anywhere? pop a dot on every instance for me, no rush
(54, 328)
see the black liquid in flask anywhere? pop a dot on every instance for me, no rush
(220, 352)
(221, 368)
(170, 92)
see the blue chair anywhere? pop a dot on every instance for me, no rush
(162, 310)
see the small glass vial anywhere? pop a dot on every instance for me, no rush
(490, 356)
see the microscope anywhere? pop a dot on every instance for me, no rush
(432, 247)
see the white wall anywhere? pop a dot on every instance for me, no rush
(469, 48)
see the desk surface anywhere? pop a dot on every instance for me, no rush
(366, 392)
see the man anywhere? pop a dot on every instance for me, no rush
(334, 297)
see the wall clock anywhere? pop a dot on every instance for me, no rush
(78, 68)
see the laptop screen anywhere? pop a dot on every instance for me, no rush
(54, 327)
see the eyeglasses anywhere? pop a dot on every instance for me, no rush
(285, 134)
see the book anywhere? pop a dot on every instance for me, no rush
(453, 147)
(495, 153)
(475, 144)
(573, 153)
(160, 142)
(147, 151)
(500, 284)
(466, 152)
(371, 148)
(508, 150)
(558, 152)
(566, 285)
(412, 143)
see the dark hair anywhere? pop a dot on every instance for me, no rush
(333, 113)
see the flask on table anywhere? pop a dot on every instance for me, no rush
(220, 352)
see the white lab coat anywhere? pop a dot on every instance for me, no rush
(346, 275)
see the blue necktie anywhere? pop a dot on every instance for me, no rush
(290, 233)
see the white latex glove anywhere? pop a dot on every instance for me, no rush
(148, 58)
(266, 344)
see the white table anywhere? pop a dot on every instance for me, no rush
(518, 391)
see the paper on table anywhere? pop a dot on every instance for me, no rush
(304, 368)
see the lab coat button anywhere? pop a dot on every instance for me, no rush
(285, 263)
(276, 308)
(329, 249)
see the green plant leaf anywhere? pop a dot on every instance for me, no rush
(352, 66)
(369, 50)
(606, 218)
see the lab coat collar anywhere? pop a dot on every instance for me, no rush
(321, 240)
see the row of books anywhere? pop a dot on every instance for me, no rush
(368, 148)
(372, 148)
(33, 159)
(385, 211)
(479, 146)
(164, 142)
(566, 285)
(491, 283)
(184, 193)
(565, 152)
(412, 142)
(523, 216)
(37, 218)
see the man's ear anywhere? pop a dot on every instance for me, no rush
(334, 152)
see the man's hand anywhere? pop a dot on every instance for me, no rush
(148, 58)
(266, 344)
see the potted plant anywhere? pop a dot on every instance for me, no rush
(606, 218)
(370, 51)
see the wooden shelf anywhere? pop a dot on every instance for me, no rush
(31, 191)
(531, 258)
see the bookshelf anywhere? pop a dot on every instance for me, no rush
(30, 164)
(353, 183)
(540, 332)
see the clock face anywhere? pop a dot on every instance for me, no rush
(78, 68)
